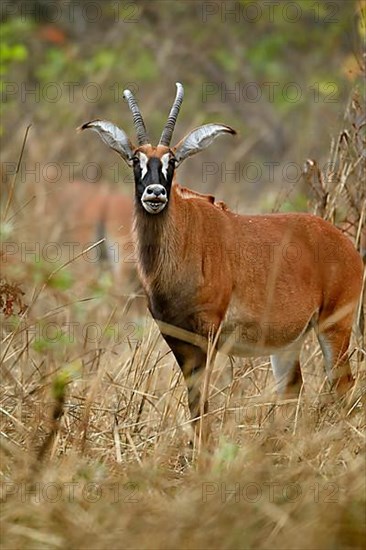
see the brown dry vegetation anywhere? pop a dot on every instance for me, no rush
(94, 411)
(93, 432)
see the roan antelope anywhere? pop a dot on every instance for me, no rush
(75, 215)
(91, 212)
(81, 213)
(259, 283)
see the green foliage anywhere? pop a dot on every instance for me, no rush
(49, 337)
(54, 66)
(298, 203)
(46, 272)
(144, 67)
(266, 51)
(62, 280)
(13, 51)
(66, 65)
(63, 378)
(225, 454)
(12, 48)
(103, 59)
(6, 230)
(225, 60)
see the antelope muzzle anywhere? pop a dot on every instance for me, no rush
(154, 198)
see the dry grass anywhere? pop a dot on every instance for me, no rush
(93, 427)
(117, 473)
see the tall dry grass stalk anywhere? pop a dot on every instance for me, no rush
(339, 191)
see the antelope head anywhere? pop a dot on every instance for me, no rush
(154, 166)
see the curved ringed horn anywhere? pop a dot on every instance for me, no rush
(167, 134)
(137, 118)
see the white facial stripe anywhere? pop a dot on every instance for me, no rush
(143, 164)
(165, 161)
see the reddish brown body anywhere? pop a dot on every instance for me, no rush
(263, 281)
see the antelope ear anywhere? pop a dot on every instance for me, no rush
(112, 136)
(199, 139)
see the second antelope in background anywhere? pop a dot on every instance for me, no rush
(95, 212)
(259, 283)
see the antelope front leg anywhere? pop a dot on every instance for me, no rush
(192, 361)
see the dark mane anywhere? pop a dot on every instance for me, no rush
(187, 193)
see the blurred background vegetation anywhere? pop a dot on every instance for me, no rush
(280, 73)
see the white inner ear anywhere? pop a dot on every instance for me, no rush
(143, 164)
(165, 161)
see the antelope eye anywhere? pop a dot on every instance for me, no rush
(135, 160)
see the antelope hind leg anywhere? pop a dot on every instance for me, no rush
(334, 342)
(286, 371)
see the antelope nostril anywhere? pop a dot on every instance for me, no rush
(156, 190)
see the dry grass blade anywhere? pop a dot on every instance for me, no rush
(12, 187)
